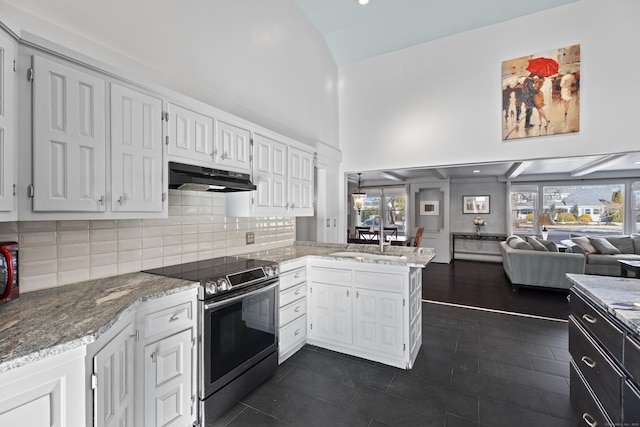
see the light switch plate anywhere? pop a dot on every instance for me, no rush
(251, 238)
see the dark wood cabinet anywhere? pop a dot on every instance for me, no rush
(604, 367)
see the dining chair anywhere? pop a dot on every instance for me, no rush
(418, 238)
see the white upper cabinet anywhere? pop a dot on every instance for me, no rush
(69, 144)
(8, 146)
(136, 151)
(283, 175)
(300, 182)
(232, 148)
(270, 176)
(190, 135)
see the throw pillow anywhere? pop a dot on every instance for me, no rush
(551, 246)
(538, 246)
(584, 243)
(513, 237)
(623, 243)
(518, 243)
(603, 246)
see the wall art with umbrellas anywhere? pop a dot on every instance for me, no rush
(541, 94)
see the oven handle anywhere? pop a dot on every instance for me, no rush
(241, 296)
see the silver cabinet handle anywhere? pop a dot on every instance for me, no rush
(297, 332)
(153, 357)
(295, 276)
(297, 309)
(347, 293)
(588, 361)
(589, 419)
(174, 317)
(589, 318)
(297, 292)
(101, 200)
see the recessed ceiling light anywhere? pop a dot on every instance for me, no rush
(636, 163)
(476, 171)
(363, 2)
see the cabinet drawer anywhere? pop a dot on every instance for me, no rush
(631, 404)
(292, 311)
(169, 320)
(293, 334)
(632, 358)
(290, 295)
(602, 329)
(377, 280)
(599, 372)
(331, 275)
(292, 278)
(587, 409)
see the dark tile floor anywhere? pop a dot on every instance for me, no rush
(475, 368)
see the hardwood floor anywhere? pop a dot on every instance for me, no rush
(485, 285)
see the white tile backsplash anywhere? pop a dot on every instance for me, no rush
(56, 253)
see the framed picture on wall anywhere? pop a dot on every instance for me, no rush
(430, 207)
(475, 204)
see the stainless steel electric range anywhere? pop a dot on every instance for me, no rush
(237, 322)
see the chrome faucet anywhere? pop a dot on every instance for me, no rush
(381, 237)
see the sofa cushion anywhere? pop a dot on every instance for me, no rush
(635, 238)
(603, 246)
(585, 244)
(623, 243)
(600, 259)
(537, 245)
(516, 242)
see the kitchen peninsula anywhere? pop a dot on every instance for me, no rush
(58, 329)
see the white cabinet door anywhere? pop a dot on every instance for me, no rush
(331, 312)
(379, 321)
(8, 147)
(46, 393)
(114, 373)
(232, 148)
(300, 180)
(136, 151)
(69, 145)
(270, 176)
(190, 134)
(167, 381)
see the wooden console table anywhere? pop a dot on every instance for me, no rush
(473, 236)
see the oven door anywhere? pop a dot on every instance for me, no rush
(237, 332)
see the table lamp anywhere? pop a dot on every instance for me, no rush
(545, 219)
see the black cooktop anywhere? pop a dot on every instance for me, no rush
(209, 268)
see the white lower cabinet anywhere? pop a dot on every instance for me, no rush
(144, 372)
(113, 380)
(365, 310)
(49, 392)
(292, 320)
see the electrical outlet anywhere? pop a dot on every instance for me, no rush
(251, 238)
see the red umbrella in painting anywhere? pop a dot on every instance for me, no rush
(543, 67)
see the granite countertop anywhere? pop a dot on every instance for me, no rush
(616, 295)
(43, 323)
(47, 322)
(413, 257)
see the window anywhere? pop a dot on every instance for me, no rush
(579, 209)
(388, 203)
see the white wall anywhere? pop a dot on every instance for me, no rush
(261, 60)
(439, 103)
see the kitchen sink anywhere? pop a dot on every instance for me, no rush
(367, 255)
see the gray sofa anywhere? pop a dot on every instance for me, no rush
(603, 252)
(526, 266)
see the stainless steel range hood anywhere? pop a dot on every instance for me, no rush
(198, 178)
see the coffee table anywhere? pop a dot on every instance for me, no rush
(627, 266)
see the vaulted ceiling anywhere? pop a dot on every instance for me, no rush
(354, 32)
